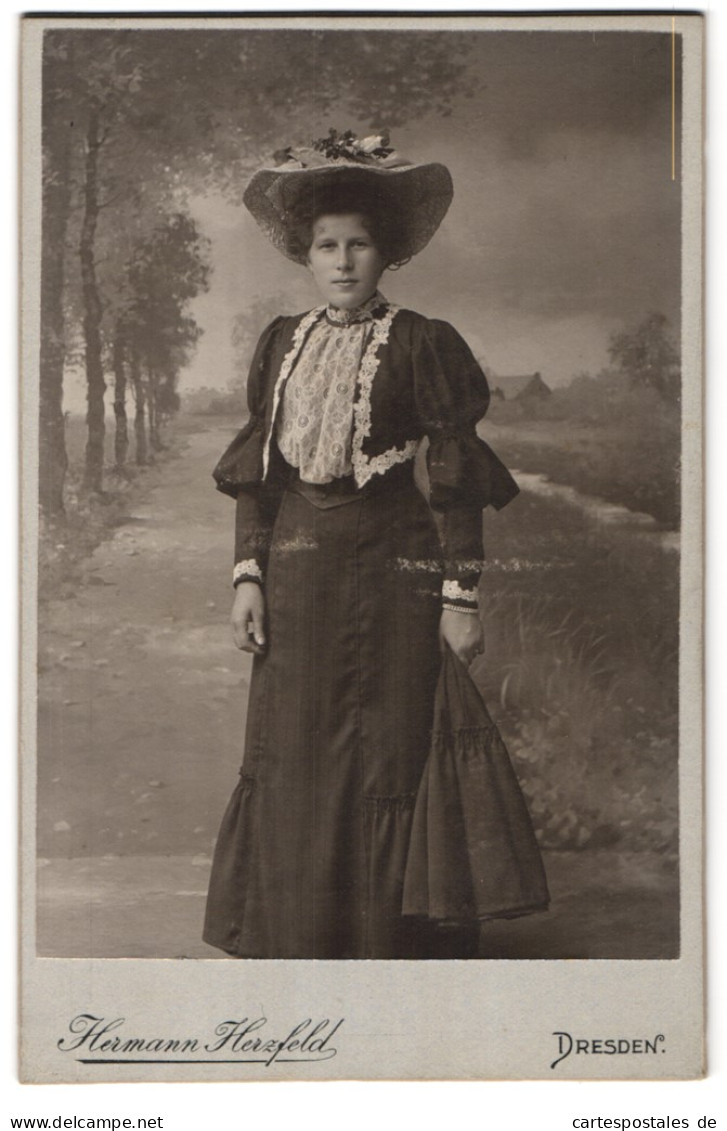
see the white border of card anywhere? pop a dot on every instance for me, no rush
(322, 1020)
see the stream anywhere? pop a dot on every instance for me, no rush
(642, 526)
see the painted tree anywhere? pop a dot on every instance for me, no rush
(647, 355)
(57, 141)
(165, 273)
(78, 92)
(159, 114)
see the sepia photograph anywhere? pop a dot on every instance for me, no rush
(362, 539)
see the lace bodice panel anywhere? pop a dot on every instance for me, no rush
(316, 417)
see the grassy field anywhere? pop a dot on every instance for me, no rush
(619, 444)
(581, 672)
(583, 622)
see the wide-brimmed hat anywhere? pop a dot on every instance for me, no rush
(421, 193)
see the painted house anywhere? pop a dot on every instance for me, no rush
(526, 387)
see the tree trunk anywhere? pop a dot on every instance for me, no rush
(121, 436)
(154, 435)
(139, 423)
(96, 386)
(56, 206)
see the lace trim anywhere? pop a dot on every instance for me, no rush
(364, 467)
(453, 591)
(469, 565)
(411, 565)
(367, 466)
(362, 313)
(247, 568)
(289, 360)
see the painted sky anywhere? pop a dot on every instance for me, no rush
(565, 220)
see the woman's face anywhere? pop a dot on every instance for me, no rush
(344, 261)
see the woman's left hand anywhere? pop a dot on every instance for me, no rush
(463, 633)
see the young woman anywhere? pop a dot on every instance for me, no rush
(348, 583)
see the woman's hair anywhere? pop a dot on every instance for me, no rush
(382, 218)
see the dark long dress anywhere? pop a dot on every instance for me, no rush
(315, 837)
(312, 852)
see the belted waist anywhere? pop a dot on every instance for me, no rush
(344, 490)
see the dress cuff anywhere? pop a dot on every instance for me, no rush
(456, 597)
(247, 570)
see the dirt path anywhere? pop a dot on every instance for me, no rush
(142, 712)
(142, 699)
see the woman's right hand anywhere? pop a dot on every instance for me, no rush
(248, 618)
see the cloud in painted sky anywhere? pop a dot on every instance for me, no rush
(565, 222)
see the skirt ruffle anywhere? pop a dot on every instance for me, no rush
(472, 852)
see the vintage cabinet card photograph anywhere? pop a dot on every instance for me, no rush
(362, 548)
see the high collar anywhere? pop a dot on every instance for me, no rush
(363, 313)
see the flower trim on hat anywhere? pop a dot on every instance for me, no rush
(346, 144)
(372, 150)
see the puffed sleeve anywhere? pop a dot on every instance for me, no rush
(239, 472)
(465, 475)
